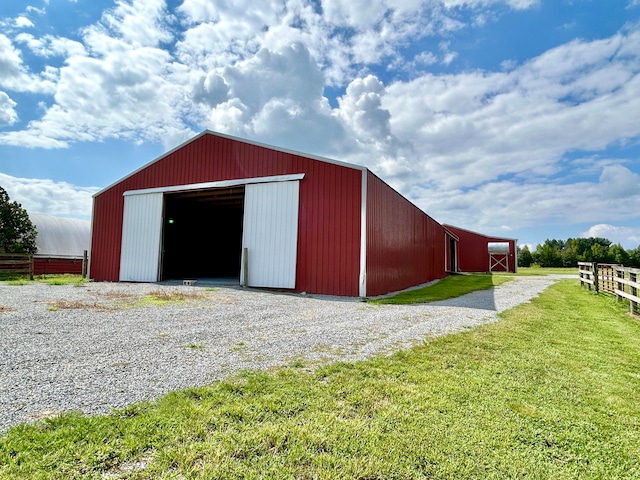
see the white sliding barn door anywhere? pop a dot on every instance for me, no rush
(270, 234)
(141, 237)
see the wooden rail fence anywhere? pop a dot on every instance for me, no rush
(627, 286)
(616, 280)
(16, 264)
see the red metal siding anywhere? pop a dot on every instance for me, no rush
(473, 254)
(57, 266)
(329, 216)
(405, 247)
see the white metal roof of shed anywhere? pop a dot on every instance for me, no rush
(61, 237)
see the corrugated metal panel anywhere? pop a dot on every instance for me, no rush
(329, 209)
(141, 230)
(59, 236)
(57, 266)
(106, 236)
(405, 247)
(329, 248)
(270, 234)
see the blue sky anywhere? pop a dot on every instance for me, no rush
(516, 118)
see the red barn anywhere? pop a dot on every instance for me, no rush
(480, 253)
(220, 206)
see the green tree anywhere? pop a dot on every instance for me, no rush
(525, 259)
(634, 257)
(17, 233)
(618, 255)
(548, 254)
(571, 253)
(598, 253)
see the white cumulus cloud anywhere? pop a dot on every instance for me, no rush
(628, 237)
(472, 147)
(49, 197)
(8, 114)
(14, 74)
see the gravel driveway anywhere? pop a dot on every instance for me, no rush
(108, 352)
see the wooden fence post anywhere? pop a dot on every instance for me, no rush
(31, 267)
(595, 277)
(633, 276)
(619, 284)
(85, 263)
(628, 287)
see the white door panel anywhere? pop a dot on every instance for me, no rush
(141, 232)
(270, 234)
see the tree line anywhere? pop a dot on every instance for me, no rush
(561, 253)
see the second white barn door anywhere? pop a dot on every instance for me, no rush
(270, 234)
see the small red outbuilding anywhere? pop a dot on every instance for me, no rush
(220, 206)
(480, 253)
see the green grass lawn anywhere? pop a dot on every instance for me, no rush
(449, 287)
(550, 391)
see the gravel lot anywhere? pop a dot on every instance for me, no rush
(102, 356)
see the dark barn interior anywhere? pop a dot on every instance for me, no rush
(202, 234)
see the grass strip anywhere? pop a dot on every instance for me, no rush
(54, 279)
(449, 287)
(550, 391)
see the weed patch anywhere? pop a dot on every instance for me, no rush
(167, 297)
(119, 300)
(78, 305)
(115, 295)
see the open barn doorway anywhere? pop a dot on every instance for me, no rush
(202, 234)
(453, 255)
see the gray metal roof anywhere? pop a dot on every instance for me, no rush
(61, 237)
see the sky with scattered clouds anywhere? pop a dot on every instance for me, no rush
(516, 118)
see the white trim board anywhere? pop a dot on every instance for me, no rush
(219, 184)
(362, 280)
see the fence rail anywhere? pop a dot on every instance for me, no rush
(588, 275)
(16, 264)
(616, 280)
(627, 286)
